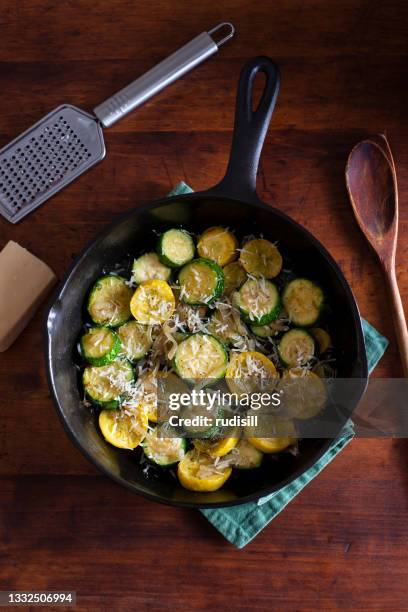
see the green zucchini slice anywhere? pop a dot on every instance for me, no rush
(107, 385)
(99, 346)
(245, 456)
(272, 329)
(263, 331)
(148, 267)
(109, 301)
(258, 301)
(163, 451)
(296, 347)
(200, 422)
(201, 282)
(200, 356)
(175, 248)
(136, 340)
(303, 301)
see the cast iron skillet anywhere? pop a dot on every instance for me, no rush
(233, 202)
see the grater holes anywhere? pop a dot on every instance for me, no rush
(41, 161)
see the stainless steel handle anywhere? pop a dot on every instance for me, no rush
(172, 68)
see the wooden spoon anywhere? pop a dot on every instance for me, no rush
(372, 187)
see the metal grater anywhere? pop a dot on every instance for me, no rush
(66, 142)
(44, 159)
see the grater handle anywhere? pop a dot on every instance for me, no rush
(169, 70)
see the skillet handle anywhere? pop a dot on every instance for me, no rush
(250, 129)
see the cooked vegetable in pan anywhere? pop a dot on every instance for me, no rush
(176, 248)
(109, 301)
(303, 301)
(148, 267)
(201, 282)
(100, 345)
(198, 313)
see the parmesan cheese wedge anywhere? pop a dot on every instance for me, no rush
(24, 282)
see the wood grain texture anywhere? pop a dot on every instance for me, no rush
(342, 543)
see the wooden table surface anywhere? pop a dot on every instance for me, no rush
(342, 544)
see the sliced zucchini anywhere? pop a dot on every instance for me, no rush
(261, 258)
(226, 325)
(109, 301)
(199, 472)
(322, 338)
(234, 277)
(272, 423)
(107, 385)
(163, 451)
(245, 456)
(296, 347)
(136, 340)
(155, 387)
(218, 244)
(264, 331)
(200, 356)
(153, 302)
(123, 430)
(201, 282)
(258, 301)
(216, 448)
(303, 301)
(271, 445)
(249, 372)
(175, 248)
(147, 267)
(99, 346)
(304, 393)
(200, 421)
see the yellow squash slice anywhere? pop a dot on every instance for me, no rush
(234, 277)
(199, 472)
(153, 302)
(271, 445)
(218, 244)
(122, 430)
(216, 448)
(322, 337)
(260, 257)
(249, 372)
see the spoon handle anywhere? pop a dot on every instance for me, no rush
(398, 315)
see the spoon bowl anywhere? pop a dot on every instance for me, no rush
(372, 187)
(372, 190)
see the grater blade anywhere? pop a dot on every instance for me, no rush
(46, 158)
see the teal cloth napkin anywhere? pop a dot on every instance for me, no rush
(240, 524)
